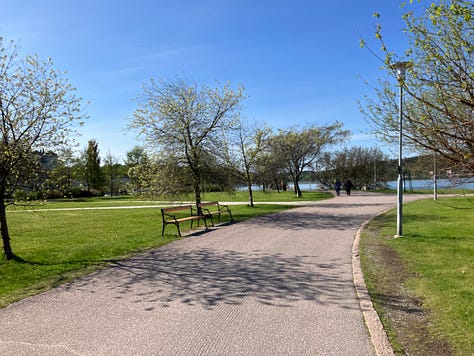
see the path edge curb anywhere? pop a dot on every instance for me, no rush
(376, 330)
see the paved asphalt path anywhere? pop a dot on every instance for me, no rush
(275, 285)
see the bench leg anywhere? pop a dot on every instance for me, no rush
(177, 226)
(212, 221)
(205, 222)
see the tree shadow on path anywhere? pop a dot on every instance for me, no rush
(210, 277)
(207, 278)
(330, 219)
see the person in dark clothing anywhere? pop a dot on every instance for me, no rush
(338, 186)
(348, 186)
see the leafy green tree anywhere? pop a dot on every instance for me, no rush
(299, 148)
(250, 145)
(63, 174)
(38, 111)
(93, 175)
(137, 155)
(186, 122)
(136, 158)
(160, 177)
(217, 173)
(112, 170)
(439, 88)
(270, 170)
(362, 165)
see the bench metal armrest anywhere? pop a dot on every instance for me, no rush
(194, 211)
(170, 216)
(223, 207)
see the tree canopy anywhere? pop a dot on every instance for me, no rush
(39, 111)
(364, 166)
(251, 142)
(298, 148)
(93, 175)
(188, 122)
(439, 88)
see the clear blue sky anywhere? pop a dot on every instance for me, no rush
(300, 61)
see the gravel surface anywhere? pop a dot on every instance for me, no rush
(275, 285)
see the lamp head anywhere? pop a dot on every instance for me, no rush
(400, 69)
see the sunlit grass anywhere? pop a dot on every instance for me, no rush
(438, 248)
(261, 196)
(237, 196)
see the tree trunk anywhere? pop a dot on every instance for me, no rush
(298, 190)
(111, 186)
(197, 195)
(249, 186)
(296, 185)
(4, 231)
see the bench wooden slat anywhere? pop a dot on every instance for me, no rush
(172, 219)
(209, 203)
(176, 208)
(206, 213)
(188, 218)
(220, 208)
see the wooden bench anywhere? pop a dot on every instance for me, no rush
(217, 209)
(170, 216)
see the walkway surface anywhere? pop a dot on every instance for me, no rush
(275, 285)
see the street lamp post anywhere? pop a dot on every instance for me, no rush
(400, 68)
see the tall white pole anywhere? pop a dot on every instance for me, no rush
(435, 181)
(400, 166)
(375, 173)
(400, 68)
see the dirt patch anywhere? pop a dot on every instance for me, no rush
(402, 314)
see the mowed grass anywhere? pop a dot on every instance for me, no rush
(237, 196)
(268, 196)
(438, 251)
(56, 246)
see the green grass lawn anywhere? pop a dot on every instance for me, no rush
(238, 196)
(437, 251)
(269, 196)
(55, 246)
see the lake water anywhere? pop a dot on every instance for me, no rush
(303, 186)
(415, 184)
(442, 183)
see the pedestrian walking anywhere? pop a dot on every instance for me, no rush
(338, 186)
(348, 186)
